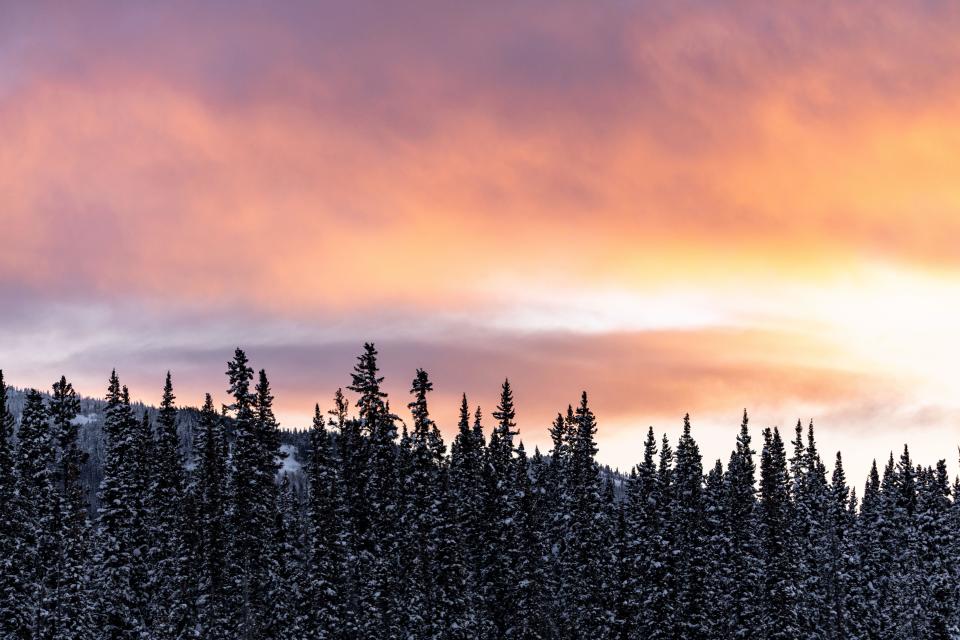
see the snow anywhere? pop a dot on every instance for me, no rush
(290, 464)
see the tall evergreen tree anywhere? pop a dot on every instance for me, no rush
(253, 467)
(378, 606)
(743, 569)
(118, 610)
(208, 489)
(778, 598)
(641, 544)
(73, 594)
(13, 622)
(168, 553)
(499, 577)
(39, 549)
(326, 589)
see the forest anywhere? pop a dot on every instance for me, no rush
(176, 522)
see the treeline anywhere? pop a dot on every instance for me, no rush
(392, 536)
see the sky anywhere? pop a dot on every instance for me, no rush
(676, 206)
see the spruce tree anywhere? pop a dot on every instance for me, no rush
(326, 589)
(588, 562)
(208, 488)
(937, 564)
(778, 597)
(39, 549)
(716, 555)
(841, 566)
(688, 537)
(379, 608)
(13, 622)
(499, 577)
(118, 612)
(743, 570)
(73, 594)
(252, 489)
(641, 544)
(168, 554)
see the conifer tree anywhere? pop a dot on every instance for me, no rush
(13, 623)
(73, 594)
(118, 613)
(379, 604)
(641, 544)
(937, 565)
(208, 488)
(587, 574)
(840, 552)
(39, 548)
(810, 535)
(252, 497)
(660, 602)
(687, 537)
(778, 598)
(716, 557)
(168, 554)
(744, 566)
(499, 577)
(326, 589)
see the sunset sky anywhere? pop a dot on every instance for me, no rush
(677, 206)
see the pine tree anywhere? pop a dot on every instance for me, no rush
(716, 555)
(660, 597)
(901, 502)
(688, 537)
(743, 570)
(167, 555)
(841, 566)
(118, 613)
(73, 594)
(588, 563)
(936, 562)
(13, 615)
(326, 589)
(39, 549)
(778, 598)
(810, 535)
(641, 544)
(499, 578)
(208, 488)
(252, 487)
(466, 504)
(283, 591)
(378, 605)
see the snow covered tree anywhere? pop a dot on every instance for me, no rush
(118, 611)
(73, 594)
(38, 551)
(208, 494)
(937, 564)
(378, 604)
(841, 568)
(465, 497)
(326, 589)
(716, 556)
(167, 554)
(253, 492)
(13, 621)
(743, 569)
(500, 505)
(641, 544)
(778, 597)
(588, 562)
(687, 540)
